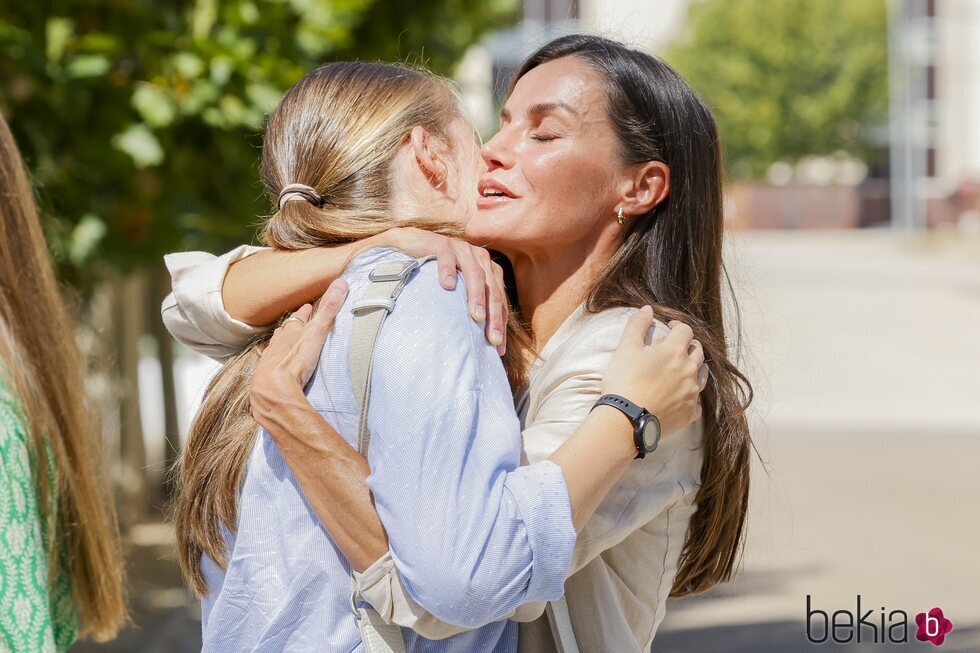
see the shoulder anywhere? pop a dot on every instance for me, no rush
(422, 298)
(429, 336)
(599, 333)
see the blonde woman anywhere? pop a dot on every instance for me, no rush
(60, 559)
(473, 535)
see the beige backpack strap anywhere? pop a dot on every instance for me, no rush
(561, 626)
(370, 311)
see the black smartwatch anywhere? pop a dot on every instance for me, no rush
(646, 426)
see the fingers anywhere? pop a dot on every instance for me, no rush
(475, 279)
(702, 376)
(696, 352)
(680, 334)
(636, 329)
(498, 275)
(327, 309)
(495, 299)
(446, 259)
(298, 318)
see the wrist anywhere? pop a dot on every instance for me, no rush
(619, 428)
(275, 405)
(383, 239)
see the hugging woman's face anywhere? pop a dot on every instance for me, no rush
(554, 176)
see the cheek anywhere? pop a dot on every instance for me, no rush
(574, 187)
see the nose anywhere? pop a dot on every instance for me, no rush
(496, 152)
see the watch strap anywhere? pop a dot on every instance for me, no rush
(623, 404)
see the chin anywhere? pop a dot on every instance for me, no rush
(482, 230)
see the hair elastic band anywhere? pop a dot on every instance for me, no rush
(299, 192)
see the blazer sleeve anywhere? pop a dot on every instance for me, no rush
(382, 586)
(194, 312)
(647, 488)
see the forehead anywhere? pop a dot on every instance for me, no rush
(567, 80)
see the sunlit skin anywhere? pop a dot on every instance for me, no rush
(554, 181)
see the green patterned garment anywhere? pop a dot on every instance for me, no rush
(35, 615)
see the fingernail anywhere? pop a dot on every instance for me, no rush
(480, 313)
(450, 281)
(647, 309)
(501, 350)
(496, 337)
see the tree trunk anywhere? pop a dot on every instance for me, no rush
(160, 282)
(129, 300)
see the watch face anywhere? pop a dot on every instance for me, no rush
(650, 428)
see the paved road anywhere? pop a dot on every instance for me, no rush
(864, 352)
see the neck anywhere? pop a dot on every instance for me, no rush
(552, 283)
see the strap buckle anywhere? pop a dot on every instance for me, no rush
(395, 275)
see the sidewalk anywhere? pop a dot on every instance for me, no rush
(866, 358)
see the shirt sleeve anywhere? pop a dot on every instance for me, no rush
(472, 534)
(644, 490)
(194, 313)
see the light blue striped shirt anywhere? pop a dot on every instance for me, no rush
(473, 534)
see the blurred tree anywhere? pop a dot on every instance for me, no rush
(788, 79)
(141, 121)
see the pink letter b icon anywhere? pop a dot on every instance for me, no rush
(933, 626)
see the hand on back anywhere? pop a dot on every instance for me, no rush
(666, 377)
(291, 356)
(484, 279)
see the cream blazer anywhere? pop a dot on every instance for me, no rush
(626, 556)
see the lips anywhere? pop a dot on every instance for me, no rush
(492, 192)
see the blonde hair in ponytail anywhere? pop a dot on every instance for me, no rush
(338, 131)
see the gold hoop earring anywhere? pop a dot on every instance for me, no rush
(619, 216)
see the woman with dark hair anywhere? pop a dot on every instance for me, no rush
(603, 190)
(61, 564)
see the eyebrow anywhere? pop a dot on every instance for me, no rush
(540, 108)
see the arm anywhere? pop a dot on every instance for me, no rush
(587, 480)
(217, 302)
(648, 487)
(471, 533)
(194, 311)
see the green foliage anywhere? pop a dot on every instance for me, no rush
(141, 120)
(789, 78)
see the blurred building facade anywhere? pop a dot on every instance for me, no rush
(932, 174)
(956, 107)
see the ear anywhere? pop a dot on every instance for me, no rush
(429, 156)
(649, 186)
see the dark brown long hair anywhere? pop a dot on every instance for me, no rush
(672, 260)
(41, 365)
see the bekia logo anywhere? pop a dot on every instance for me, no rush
(933, 626)
(874, 626)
